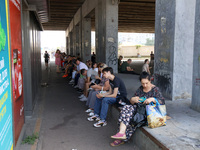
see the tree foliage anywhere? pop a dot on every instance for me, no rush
(149, 42)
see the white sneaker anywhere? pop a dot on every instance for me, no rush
(81, 96)
(89, 110)
(83, 99)
(71, 82)
(90, 89)
(100, 123)
(91, 114)
(93, 118)
(76, 86)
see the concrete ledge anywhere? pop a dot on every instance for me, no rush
(141, 138)
(181, 132)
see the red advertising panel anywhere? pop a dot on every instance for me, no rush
(16, 57)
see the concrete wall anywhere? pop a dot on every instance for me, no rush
(196, 65)
(164, 43)
(183, 49)
(174, 37)
(128, 51)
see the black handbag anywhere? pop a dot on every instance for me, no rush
(139, 117)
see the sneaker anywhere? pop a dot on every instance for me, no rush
(81, 96)
(83, 99)
(91, 114)
(65, 75)
(100, 123)
(89, 110)
(119, 136)
(71, 82)
(93, 118)
(76, 86)
(90, 89)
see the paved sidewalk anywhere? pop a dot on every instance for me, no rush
(64, 124)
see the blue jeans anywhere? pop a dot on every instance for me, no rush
(76, 79)
(101, 106)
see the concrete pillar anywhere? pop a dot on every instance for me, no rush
(98, 31)
(74, 40)
(109, 51)
(80, 38)
(71, 42)
(174, 36)
(86, 39)
(67, 45)
(77, 40)
(196, 64)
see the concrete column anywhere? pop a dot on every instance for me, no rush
(174, 36)
(98, 31)
(67, 45)
(74, 40)
(71, 42)
(109, 52)
(80, 38)
(86, 39)
(77, 40)
(196, 64)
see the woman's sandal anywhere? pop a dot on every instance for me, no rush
(117, 143)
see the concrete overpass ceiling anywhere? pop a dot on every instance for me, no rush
(61, 13)
(137, 16)
(134, 15)
(42, 9)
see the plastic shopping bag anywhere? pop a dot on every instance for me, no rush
(156, 115)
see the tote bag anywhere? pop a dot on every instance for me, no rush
(156, 114)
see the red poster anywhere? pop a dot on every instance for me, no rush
(17, 76)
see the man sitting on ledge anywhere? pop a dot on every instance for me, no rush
(125, 68)
(104, 99)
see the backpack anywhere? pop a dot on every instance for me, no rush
(46, 56)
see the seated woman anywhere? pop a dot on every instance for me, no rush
(92, 74)
(147, 90)
(146, 67)
(103, 86)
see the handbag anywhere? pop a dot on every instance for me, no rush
(156, 114)
(139, 117)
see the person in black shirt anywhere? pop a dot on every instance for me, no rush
(104, 99)
(46, 59)
(120, 63)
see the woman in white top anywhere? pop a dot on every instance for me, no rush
(146, 66)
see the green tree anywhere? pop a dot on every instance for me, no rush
(2, 38)
(149, 42)
(138, 46)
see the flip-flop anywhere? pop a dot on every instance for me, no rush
(117, 143)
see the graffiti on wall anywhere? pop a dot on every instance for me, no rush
(163, 81)
(112, 58)
(162, 76)
(197, 81)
